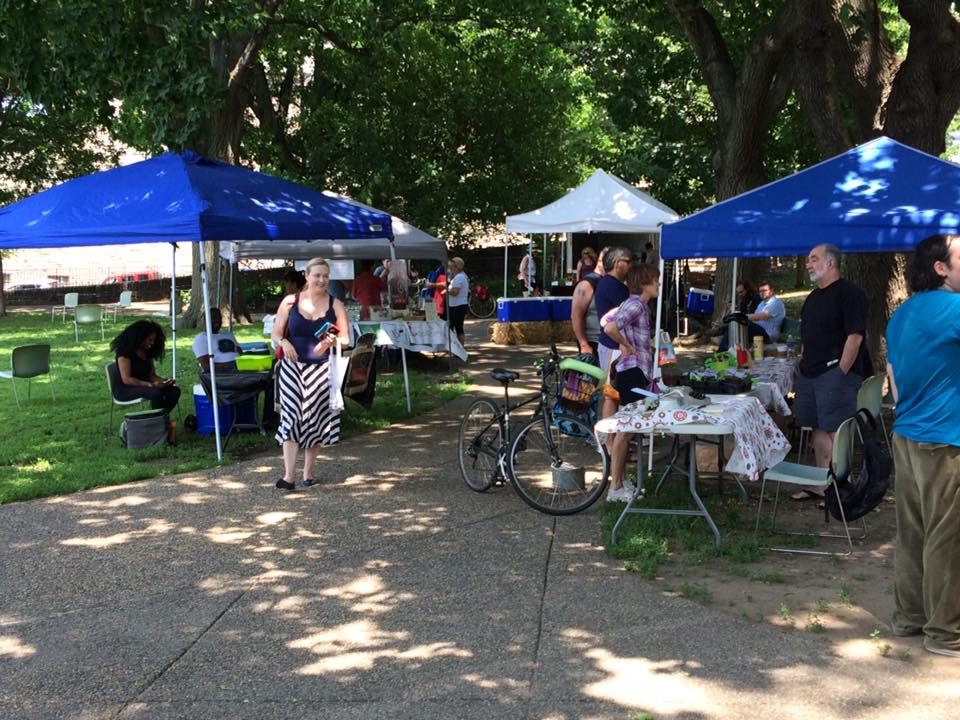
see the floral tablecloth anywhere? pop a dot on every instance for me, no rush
(759, 442)
(413, 335)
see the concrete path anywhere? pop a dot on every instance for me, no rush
(390, 591)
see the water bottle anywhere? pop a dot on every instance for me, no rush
(791, 346)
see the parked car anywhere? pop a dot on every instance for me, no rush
(131, 277)
(23, 286)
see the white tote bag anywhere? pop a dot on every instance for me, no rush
(338, 370)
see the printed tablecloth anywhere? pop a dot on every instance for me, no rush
(759, 442)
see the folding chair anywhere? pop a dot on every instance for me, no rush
(815, 477)
(125, 301)
(87, 315)
(70, 302)
(29, 361)
(113, 376)
(870, 396)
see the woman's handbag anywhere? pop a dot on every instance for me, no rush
(278, 353)
(609, 390)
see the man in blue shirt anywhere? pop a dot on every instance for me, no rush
(923, 342)
(766, 320)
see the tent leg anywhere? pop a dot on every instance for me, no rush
(230, 295)
(506, 260)
(733, 288)
(406, 379)
(173, 312)
(213, 366)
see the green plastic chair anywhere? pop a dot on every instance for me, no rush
(813, 477)
(87, 315)
(29, 361)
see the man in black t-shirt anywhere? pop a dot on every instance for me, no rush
(833, 323)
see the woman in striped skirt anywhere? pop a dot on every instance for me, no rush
(303, 387)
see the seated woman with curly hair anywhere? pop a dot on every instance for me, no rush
(136, 349)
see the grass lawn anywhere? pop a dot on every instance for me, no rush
(49, 447)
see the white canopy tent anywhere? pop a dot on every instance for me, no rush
(409, 243)
(602, 203)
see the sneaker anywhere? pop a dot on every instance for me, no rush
(310, 482)
(939, 647)
(630, 489)
(619, 495)
(284, 485)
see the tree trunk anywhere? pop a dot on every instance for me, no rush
(3, 297)
(800, 272)
(881, 277)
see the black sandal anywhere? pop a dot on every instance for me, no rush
(284, 485)
(310, 482)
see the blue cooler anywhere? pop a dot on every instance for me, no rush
(560, 308)
(700, 302)
(243, 413)
(523, 309)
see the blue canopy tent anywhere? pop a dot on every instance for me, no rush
(183, 197)
(881, 196)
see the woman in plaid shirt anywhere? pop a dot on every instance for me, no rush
(629, 325)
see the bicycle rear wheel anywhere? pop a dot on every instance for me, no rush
(558, 472)
(479, 445)
(481, 308)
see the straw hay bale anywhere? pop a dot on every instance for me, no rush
(531, 333)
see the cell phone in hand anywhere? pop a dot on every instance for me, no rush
(328, 328)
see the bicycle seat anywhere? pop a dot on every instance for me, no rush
(504, 376)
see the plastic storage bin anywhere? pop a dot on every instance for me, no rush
(700, 302)
(254, 362)
(243, 413)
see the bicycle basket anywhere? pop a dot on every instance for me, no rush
(577, 399)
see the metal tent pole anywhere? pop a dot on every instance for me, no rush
(733, 288)
(230, 296)
(213, 366)
(173, 311)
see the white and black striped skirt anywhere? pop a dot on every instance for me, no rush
(305, 414)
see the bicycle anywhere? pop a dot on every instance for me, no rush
(480, 302)
(554, 464)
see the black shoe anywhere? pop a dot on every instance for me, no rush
(310, 482)
(284, 485)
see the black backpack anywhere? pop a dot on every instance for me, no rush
(861, 494)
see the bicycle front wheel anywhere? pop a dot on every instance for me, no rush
(558, 472)
(481, 308)
(479, 444)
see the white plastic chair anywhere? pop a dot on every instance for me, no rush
(870, 397)
(814, 477)
(70, 302)
(125, 301)
(111, 368)
(87, 315)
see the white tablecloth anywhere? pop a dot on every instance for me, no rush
(759, 442)
(413, 335)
